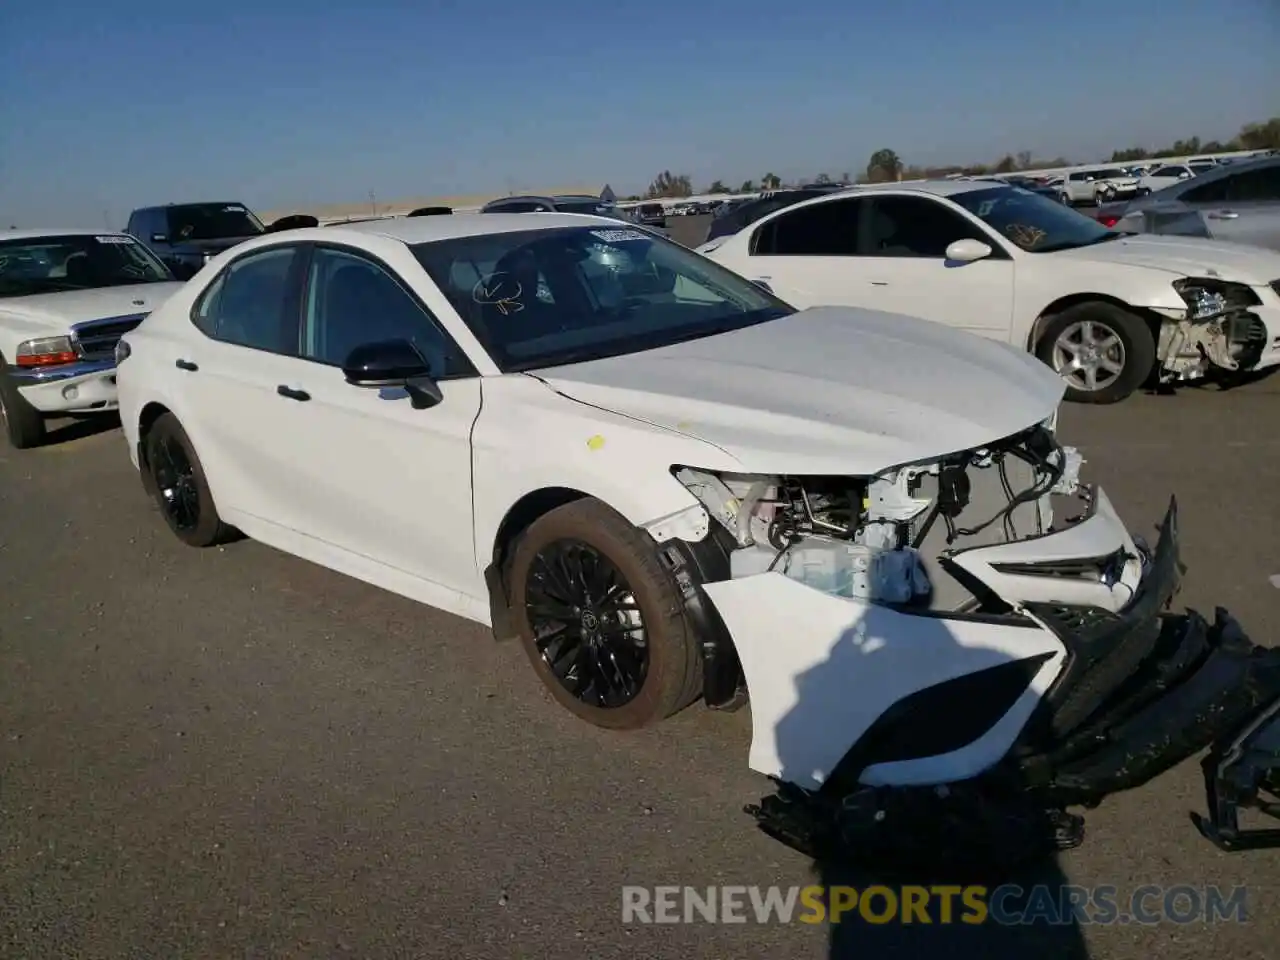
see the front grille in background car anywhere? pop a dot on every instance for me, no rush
(97, 339)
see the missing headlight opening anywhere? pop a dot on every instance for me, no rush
(1217, 331)
(891, 538)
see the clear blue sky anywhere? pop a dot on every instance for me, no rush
(291, 103)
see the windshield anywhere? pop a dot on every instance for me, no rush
(53, 264)
(540, 298)
(212, 221)
(1032, 221)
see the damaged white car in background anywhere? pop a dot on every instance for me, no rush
(1107, 310)
(670, 485)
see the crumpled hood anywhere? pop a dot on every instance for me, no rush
(56, 312)
(1186, 257)
(829, 390)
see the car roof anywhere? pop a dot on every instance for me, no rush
(1221, 170)
(411, 230)
(938, 188)
(69, 232)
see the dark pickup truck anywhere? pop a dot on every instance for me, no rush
(187, 235)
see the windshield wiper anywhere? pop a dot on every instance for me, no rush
(1055, 247)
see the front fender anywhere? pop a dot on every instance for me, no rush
(529, 438)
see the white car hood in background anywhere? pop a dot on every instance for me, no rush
(829, 390)
(1185, 256)
(57, 311)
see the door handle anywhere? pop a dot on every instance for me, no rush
(879, 283)
(292, 394)
(186, 365)
(1223, 215)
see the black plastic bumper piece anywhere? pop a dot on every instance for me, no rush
(1244, 774)
(1208, 685)
(1144, 690)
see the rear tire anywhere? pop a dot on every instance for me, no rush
(1112, 342)
(179, 486)
(23, 425)
(586, 635)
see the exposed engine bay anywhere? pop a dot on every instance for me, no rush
(1216, 332)
(943, 657)
(891, 538)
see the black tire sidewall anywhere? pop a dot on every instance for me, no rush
(209, 529)
(1139, 349)
(23, 424)
(671, 648)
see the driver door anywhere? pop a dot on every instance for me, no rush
(375, 477)
(902, 254)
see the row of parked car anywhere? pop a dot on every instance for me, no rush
(646, 465)
(1110, 302)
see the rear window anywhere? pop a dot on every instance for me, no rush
(212, 221)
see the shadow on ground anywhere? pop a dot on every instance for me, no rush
(81, 428)
(981, 866)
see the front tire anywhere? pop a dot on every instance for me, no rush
(1103, 352)
(22, 424)
(601, 619)
(179, 486)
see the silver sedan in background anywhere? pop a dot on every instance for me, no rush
(1239, 202)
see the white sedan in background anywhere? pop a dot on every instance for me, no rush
(670, 486)
(66, 297)
(1105, 309)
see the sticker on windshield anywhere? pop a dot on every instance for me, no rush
(501, 291)
(616, 236)
(115, 239)
(233, 208)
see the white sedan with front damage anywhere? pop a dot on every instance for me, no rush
(66, 297)
(672, 486)
(1108, 310)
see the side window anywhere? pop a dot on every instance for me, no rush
(1216, 191)
(204, 312)
(353, 301)
(254, 302)
(1078, 176)
(1255, 186)
(915, 227)
(827, 229)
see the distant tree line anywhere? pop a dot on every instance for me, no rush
(886, 165)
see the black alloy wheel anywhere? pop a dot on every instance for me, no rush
(587, 625)
(176, 483)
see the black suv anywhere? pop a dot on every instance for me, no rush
(187, 235)
(745, 214)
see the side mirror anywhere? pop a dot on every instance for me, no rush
(158, 238)
(1184, 175)
(391, 364)
(967, 251)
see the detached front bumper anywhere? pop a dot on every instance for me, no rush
(87, 386)
(1146, 690)
(1139, 691)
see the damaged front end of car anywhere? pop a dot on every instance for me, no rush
(1217, 333)
(941, 660)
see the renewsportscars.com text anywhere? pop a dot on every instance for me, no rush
(1005, 905)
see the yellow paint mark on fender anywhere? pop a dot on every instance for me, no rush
(683, 425)
(595, 443)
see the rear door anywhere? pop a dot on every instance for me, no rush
(808, 255)
(227, 376)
